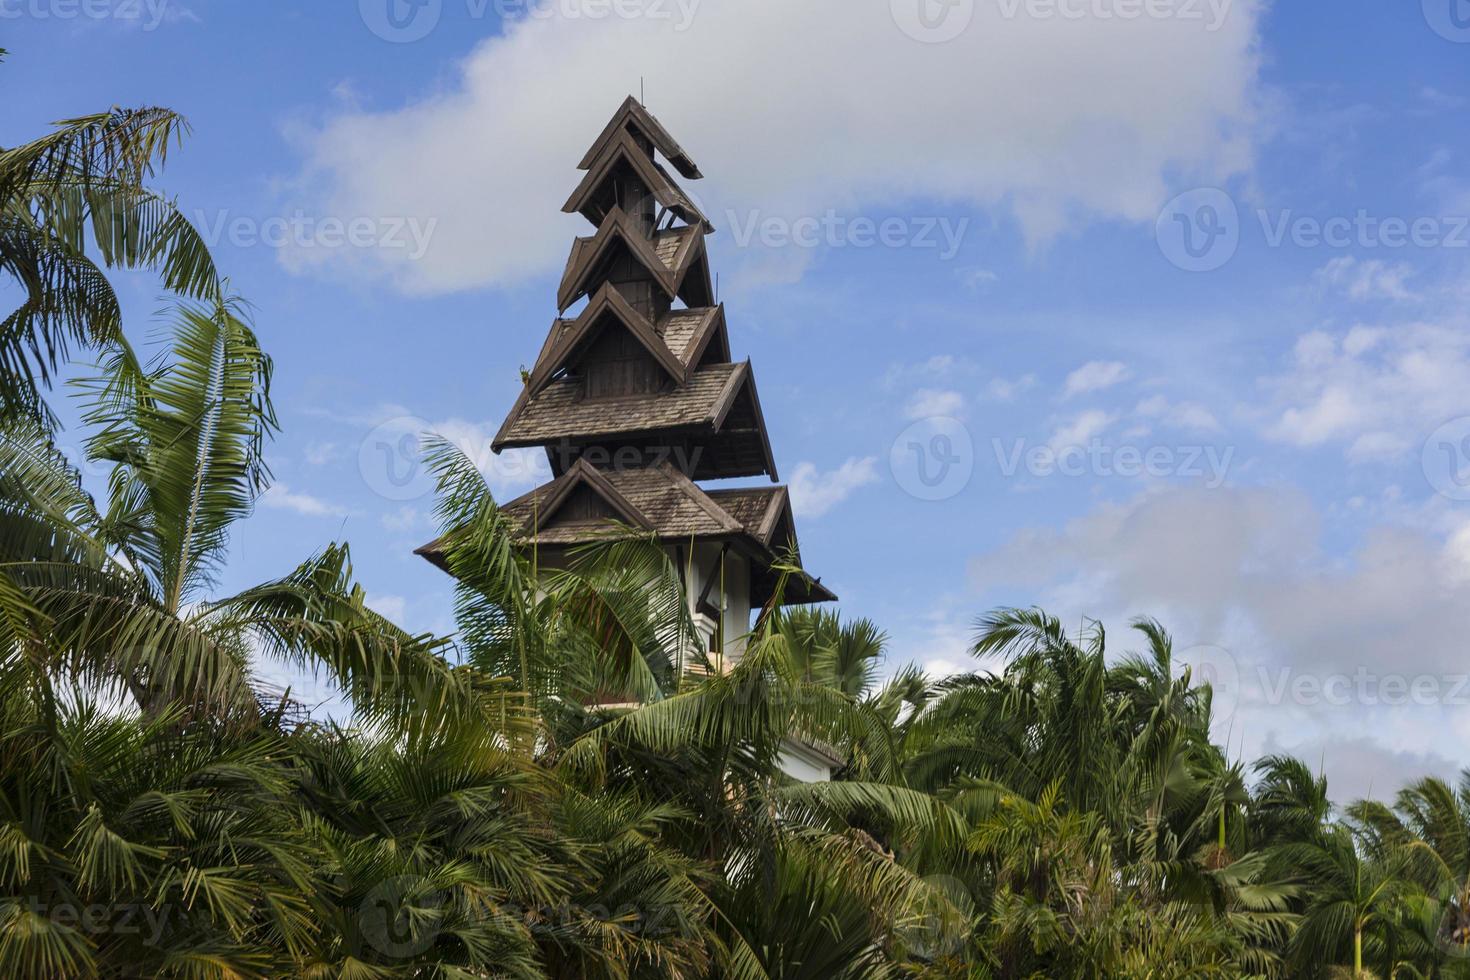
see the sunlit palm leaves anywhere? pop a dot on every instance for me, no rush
(81, 191)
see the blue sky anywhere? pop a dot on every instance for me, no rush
(1034, 166)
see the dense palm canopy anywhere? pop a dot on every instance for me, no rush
(568, 787)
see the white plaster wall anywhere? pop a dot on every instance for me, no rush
(803, 767)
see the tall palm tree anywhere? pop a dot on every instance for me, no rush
(794, 880)
(1350, 900)
(75, 202)
(123, 592)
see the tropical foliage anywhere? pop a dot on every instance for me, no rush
(567, 787)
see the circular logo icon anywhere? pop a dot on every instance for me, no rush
(400, 919)
(1218, 668)
(1199, 230)
(933, 21)
(1450, 19)
(933, 459)
(390, 460)
(400, 21)
(1446, 459)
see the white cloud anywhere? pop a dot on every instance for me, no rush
(1080, 431)
(1245, 570)
(490, 154)
(510, 472)
(1377, 392)
(322, 453)
(935, 402)
(1095, 376)
(1183, 415)
(281, 497)
(1366, 279)
(814, 493)
(1007, 389)
(976, 279)
(1440, 100)
(404, 519)
(392, 607)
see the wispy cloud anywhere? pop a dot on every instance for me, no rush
(814, 492)
(1080, 430)
(1366, 279)
(1095, 376)
(282, 497)
(931, 402)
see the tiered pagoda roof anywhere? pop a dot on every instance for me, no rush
(635, 397)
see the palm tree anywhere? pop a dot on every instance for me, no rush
(826, 650)
(122, 593)
(794, 879)
(78, 192)
(143, 848)
(1291, 804)
(1349, 897)
(1427, 830)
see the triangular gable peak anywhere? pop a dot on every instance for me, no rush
(674, 260)
(739, 414)
(778, 531)
(632, 118)
(575, 498)
(697, 336)
(607, 310)
(624, 164)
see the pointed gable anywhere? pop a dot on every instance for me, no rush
(673, 259)
(637, 396)
(623, 162)
(607, 311)
(584, 496)
(632, 118)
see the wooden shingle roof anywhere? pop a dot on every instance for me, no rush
(670, 256)
(633, 118)
(756, 508)
(622, 150)
(659, 501)
(561, 412)
(607, 303)
(683, 335)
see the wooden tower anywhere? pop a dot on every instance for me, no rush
(636, 399)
